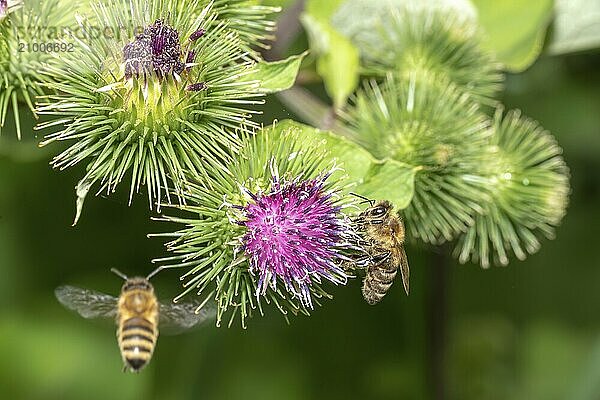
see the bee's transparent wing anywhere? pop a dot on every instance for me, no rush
(178, 317)
(88, 303)
(404, 270)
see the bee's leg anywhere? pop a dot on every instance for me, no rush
(363, 242)
(350, 268)
(359, 245)
(381, 256)
(359, 224)
(357, 219)
(366, 260)
(363, 261)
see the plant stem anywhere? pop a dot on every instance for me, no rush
(311, 110)
(437, 321)
(300, 101)
(288, 27)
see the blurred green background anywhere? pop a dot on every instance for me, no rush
(527, 331)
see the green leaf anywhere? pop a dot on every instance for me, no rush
(515, 30)
(576, 27)
(278, 75)
(354, 159)
(275, 3)
(338, 62)
(390, 180)
(316, 30)
(322, 9)
(366, 31)
(339, 69)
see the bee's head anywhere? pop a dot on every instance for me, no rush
(380, 209)
(136, 282)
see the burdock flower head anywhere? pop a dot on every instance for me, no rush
(528, 181)
(269, 229)
(25, 30)
(294, 235)
(433, 125)
(155, 99)
(442, 43)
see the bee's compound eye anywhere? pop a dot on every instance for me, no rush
(378, 211)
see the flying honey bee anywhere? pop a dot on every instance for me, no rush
(382, 237)
(137, 313)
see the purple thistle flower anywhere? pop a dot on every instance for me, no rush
(157, 49)
(295, 233)
(3, 7)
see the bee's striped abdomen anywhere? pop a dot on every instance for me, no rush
(137, 338)
(377, 282)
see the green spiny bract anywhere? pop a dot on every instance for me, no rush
(250, 20)
(439, 44)
(24, 29)
(434, 126)
(156, 101)
(220, 249)
(528, 182)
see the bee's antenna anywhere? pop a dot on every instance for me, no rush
(119, 273)
(156, 271)
(370, 201)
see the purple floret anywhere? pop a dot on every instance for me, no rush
(295, 233)
(197, 35)
(196, 87)
(191, 57)
(157, 49)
